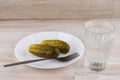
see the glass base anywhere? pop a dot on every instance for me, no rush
(95, 66)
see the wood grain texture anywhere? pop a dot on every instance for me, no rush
(12, 31)
(57, 9)
(117, 8)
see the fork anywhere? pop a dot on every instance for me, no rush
(62, 59)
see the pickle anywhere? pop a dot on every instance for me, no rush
(59, 44)
(43, 51)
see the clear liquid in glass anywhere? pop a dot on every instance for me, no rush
(98, 42)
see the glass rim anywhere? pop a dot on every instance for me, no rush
(111, 30)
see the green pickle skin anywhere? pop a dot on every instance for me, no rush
(59, 44)
(44, 51)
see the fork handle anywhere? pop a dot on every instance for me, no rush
(23, 62)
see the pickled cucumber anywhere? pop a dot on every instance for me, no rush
(43, 51)
(59, 44)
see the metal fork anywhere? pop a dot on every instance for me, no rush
(63, 59)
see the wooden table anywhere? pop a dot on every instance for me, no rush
(12, 31)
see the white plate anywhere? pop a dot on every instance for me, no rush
(22, 53)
